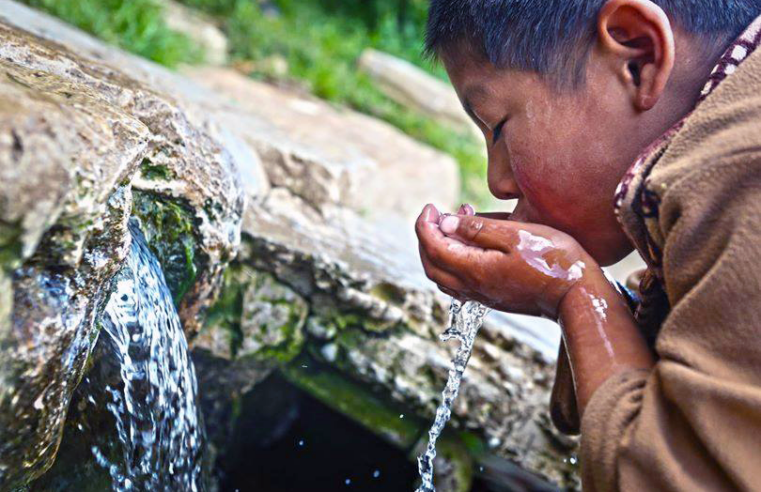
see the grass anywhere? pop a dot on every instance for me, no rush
(320, 41)
(135, 25)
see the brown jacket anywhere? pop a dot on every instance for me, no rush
(694, 421)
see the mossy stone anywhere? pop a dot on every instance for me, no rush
(170, 228)
(263, 318)
(10, 246)
(354, 400)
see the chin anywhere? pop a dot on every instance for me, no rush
(608, 251)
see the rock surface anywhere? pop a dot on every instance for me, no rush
(199, 29)
(332, 156)
(81, 144)
(374, 318)
(412, 87)
(102, 135)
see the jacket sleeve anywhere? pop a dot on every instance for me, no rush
(694, 421)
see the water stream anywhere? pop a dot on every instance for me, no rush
(151, 389)
(464, 322)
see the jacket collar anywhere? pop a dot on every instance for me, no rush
(634, 204)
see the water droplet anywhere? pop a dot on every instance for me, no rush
(348, 481)
(401, 416)
(301, 443)
(376, 474)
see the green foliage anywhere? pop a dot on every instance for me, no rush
(135, 25)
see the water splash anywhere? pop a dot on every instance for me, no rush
(152, 397)
(464, 322)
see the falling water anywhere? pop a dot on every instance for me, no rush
(464, 322)
(152, 389)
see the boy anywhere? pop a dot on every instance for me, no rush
(570, 93)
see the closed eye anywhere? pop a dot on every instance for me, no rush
(497, 132)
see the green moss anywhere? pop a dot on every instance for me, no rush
(259, 329)
(273, 319)
(156, 172)
(474, 444)
(170, 229)
(293, 340)
(339, 321)
(351, 339)
(388, 292)
(355, 401)
(227, 311)
(10, 246)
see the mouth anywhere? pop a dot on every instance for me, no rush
(519, 213)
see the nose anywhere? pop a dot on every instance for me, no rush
(502, 183)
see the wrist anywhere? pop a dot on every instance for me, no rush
(600, 334)
(593, 280)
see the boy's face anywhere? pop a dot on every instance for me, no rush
(560, 154)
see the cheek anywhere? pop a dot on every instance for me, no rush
(557, 170)
(543, 169)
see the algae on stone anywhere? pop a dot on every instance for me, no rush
(260, 317)
(158, 172)
(272, 321)
(356, 401)
(171, 232)
(10, 246)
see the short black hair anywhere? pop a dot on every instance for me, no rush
(553, 37)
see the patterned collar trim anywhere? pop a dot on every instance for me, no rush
(741, 49)
(630, 189)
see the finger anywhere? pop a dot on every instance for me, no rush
(466, 209)
(441, 277)
(430, 214)
(446, 253)
(480, 231)
(429, 218)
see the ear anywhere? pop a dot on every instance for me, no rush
(636, 36)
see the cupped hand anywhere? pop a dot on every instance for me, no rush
(509, 266)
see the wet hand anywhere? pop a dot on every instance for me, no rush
(506, 265)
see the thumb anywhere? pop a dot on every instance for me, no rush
(480, 231)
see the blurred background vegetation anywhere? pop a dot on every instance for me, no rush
(317, 42)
